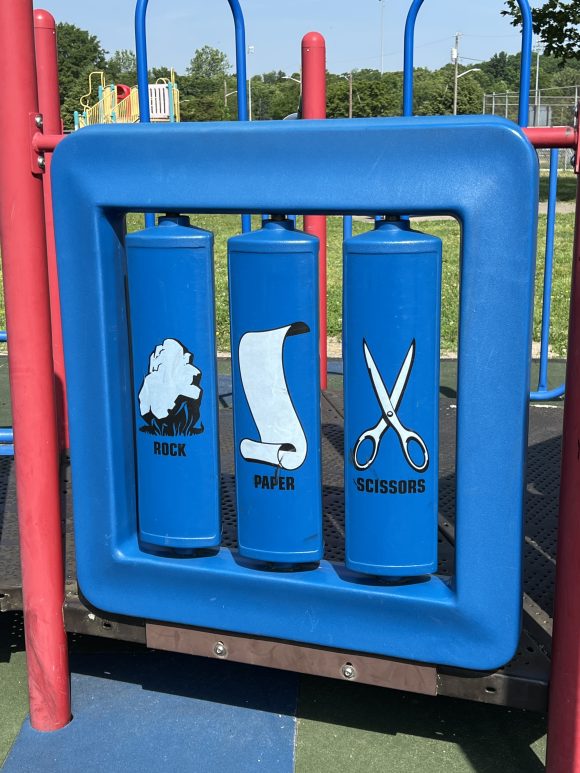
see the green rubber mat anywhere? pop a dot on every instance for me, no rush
(353, 728)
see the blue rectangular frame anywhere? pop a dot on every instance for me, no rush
(481, 170)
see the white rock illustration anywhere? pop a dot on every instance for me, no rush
(171, 376)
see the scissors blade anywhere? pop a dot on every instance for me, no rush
(390, 402)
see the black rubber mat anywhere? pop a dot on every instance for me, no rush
(541, 515)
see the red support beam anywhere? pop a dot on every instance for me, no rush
(314, 106)
(26, 294)
(553, 136)
(49, 107)
(564, 714)
(45, 143)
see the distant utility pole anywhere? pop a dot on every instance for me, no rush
(455, 61)
(382, 2)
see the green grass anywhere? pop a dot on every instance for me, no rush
(224, 226)
(567, 183)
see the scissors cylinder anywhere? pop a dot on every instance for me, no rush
(391, 336)
(172, 323)
(273, 279)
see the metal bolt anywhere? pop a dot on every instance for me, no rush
(349, 671)
(40, 160)
(220, 649)
(38, 120)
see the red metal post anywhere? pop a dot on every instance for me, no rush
(314, 106)
(31, 374)
(49, 107)
(564, 713)
(552, 136)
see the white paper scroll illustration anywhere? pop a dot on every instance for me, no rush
(282, 440)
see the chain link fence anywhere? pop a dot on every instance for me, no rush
(548, 107)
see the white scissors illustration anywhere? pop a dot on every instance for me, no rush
(389, 405)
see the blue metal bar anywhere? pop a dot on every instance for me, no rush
(548, 394)
(543, 393)
(143, 80)
(346, 227)
(6, 433)
(525, 67)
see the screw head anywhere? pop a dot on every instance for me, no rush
(38, 120)
(348, 671)
(40, 160)
(220, 649)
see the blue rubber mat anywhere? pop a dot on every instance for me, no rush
(164, 712)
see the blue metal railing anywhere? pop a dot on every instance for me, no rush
(6, 433)
(525, 66)
(143, 81)
(543, 393)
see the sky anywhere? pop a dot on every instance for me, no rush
(352, 29)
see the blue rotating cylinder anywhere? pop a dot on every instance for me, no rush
(172, 323)
(273, 278)
(391, 333)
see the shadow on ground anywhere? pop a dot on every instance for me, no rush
(356, 728)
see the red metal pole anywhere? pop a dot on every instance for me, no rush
(49, 107)
(564, 713)
(552, 136)
(314, 106)
(31, 375)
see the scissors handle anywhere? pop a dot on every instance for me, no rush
(406, 437)
(374, 435)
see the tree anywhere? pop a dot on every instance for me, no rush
(209, 63)
(503, 67)
(159, 72)
(79, 53)
(556, 22)
(122, 67)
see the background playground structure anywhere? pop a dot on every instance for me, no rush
(118, 103)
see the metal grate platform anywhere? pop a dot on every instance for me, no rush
(522, 683)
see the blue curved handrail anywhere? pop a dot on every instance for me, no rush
(542, 392)
(525, 67)
(143, 81)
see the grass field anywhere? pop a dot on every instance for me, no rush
(224, 226)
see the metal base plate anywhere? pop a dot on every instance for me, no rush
(521, 683)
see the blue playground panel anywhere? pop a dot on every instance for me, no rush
(484, 172)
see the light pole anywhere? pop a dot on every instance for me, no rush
(349, 79)
(250, 51)
(455, 61)
(473, 69)
(299, 81)
(227, 93)
(350, 95)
